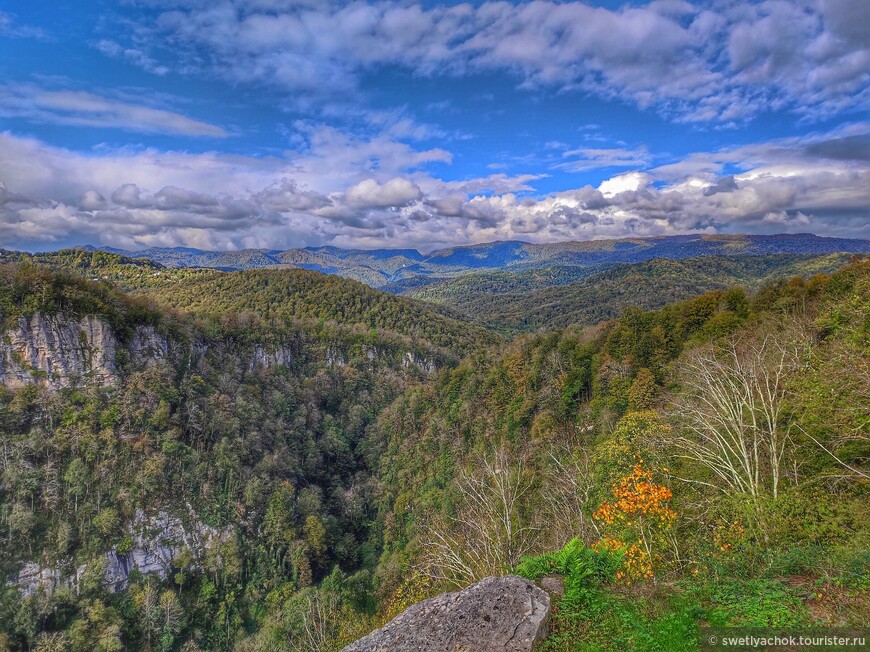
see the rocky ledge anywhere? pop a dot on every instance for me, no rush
(504, 614)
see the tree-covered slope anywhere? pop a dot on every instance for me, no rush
(127, 273)
(275, 295)
(631, 439)
(549, 298)
(267, 295)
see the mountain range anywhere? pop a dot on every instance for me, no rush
(397, 270)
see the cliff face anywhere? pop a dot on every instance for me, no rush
(59, 350)
(154, 544)
(56, 350)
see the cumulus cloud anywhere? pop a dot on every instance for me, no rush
(371, 194)
(691, 62)
(329, 192)
(81, 108)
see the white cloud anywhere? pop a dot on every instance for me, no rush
(690, 62)
(80, 108)
(371, 194)
(330, 192)
(630, 182)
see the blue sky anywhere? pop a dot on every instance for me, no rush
(267, 123)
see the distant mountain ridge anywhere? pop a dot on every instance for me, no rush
(395, 269)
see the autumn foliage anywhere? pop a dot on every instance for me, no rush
(640, 510)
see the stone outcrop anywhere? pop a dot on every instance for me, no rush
(147, 345)
(426, 365)
(54, 349)
(60, 350)
(156, 542)
(504, 614)
(264, 358)
(57, 350)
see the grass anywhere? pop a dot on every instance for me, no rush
(597, 613)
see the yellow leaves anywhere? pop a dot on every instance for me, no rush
(638, 504)
(515, 370)
(637, 497)
(636, 562)
(728, 535)
(416, 588)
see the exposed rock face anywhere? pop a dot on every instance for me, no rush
(264, 358)
(156, 542)
(147, 345)
(33, 578)
(425, 365)
(504, 614)
(335, 358)
(56, 349)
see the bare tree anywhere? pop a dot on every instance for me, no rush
(567, 501)
(319, 615)
(733, 411)
(489, 533)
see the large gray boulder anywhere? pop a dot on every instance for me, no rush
(504, 614)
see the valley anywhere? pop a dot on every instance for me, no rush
(205, 459)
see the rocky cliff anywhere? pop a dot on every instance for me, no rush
(504, 614)
(60, 350)
(154, 543)
(57, 350)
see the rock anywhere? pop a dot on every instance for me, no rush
(553, 585)
(426, 365)
(334, 357)
(265, 358)
(58, 350)
(147, 345)
(156, 542)
(32, 578)
(55, 349)
(504, 614)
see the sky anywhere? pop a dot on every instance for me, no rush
(230, 124)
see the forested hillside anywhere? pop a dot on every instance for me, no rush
(297, 458)
(718, 447)
(266, 296)
(280, 295)
(127, 273)
(548, 298)
(397, 269)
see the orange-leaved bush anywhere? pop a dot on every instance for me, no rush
(640, 509)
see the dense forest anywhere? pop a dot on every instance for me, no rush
(556, 297)
(341, 453)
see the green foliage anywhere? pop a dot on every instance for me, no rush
(539, 299)
(581, 566)
(756, 603)
(588, 616)
(27, 289)
(288, 418)
(260, 298)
